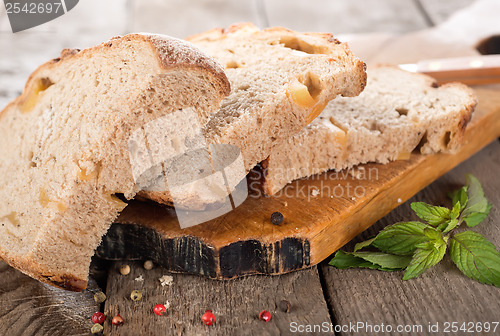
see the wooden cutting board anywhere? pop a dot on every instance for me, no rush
(245, 241)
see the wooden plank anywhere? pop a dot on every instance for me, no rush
(29, 307)
(244, 241)
(346, 16)
(182, 18)
(440, 11)
(440, 295)
(236, 304)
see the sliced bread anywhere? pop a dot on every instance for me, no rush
(280, 79)
(397, 113)
(65, 167)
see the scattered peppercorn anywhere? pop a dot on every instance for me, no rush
(117, 320)
(96, 328)
(277, 218)
(148, 265)
(98, 318)
(99, 297)
(285, 306)
(136, 295)
(208, 318)
(160, 309)
(124, 269)
(265, 316)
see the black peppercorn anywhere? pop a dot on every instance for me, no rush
(277, 218)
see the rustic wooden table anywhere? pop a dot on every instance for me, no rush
(320, 295)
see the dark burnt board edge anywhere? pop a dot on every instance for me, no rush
(191, 255)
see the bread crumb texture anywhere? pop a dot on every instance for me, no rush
(280, 81)
(65, 169)
(397, 114)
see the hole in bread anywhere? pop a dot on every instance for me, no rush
(232, 65)
(341, 135)
(313, 84)
(12, 218)
(46, 202)
(117, 200)
(300, 94)
(243, 87)
(305, 93)
(446, 139)
(375, 126)
(421, 143)
(32, 163)
(337, 124)
(32, 95)
(121, 197)
(295, 43)
(402, 111)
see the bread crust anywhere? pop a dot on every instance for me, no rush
(328, 40)
(170, 52)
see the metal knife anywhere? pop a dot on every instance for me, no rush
(475, 70)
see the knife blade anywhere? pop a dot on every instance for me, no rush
(475, 70)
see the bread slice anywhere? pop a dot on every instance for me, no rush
(65, 151)
(397, 113)
(280, 79)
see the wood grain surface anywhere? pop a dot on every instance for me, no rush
(244, 241)
(236, 303)
(441, 294)
(29, 307)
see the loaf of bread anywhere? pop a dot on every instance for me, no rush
(280, 80)
(397, 113)
(65, 169)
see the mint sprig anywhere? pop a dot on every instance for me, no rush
(417, 246)
(476, 257)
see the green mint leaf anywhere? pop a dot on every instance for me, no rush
(426, 256)
(448, 225)
(432, 234)
(344, 260)
(401, 238)
(476, 257)
(459, 196)
(363, 244)
(476, 218)
(384, 260)
(455, 211)
(477, 207)
(477, 201)
(434, 215)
